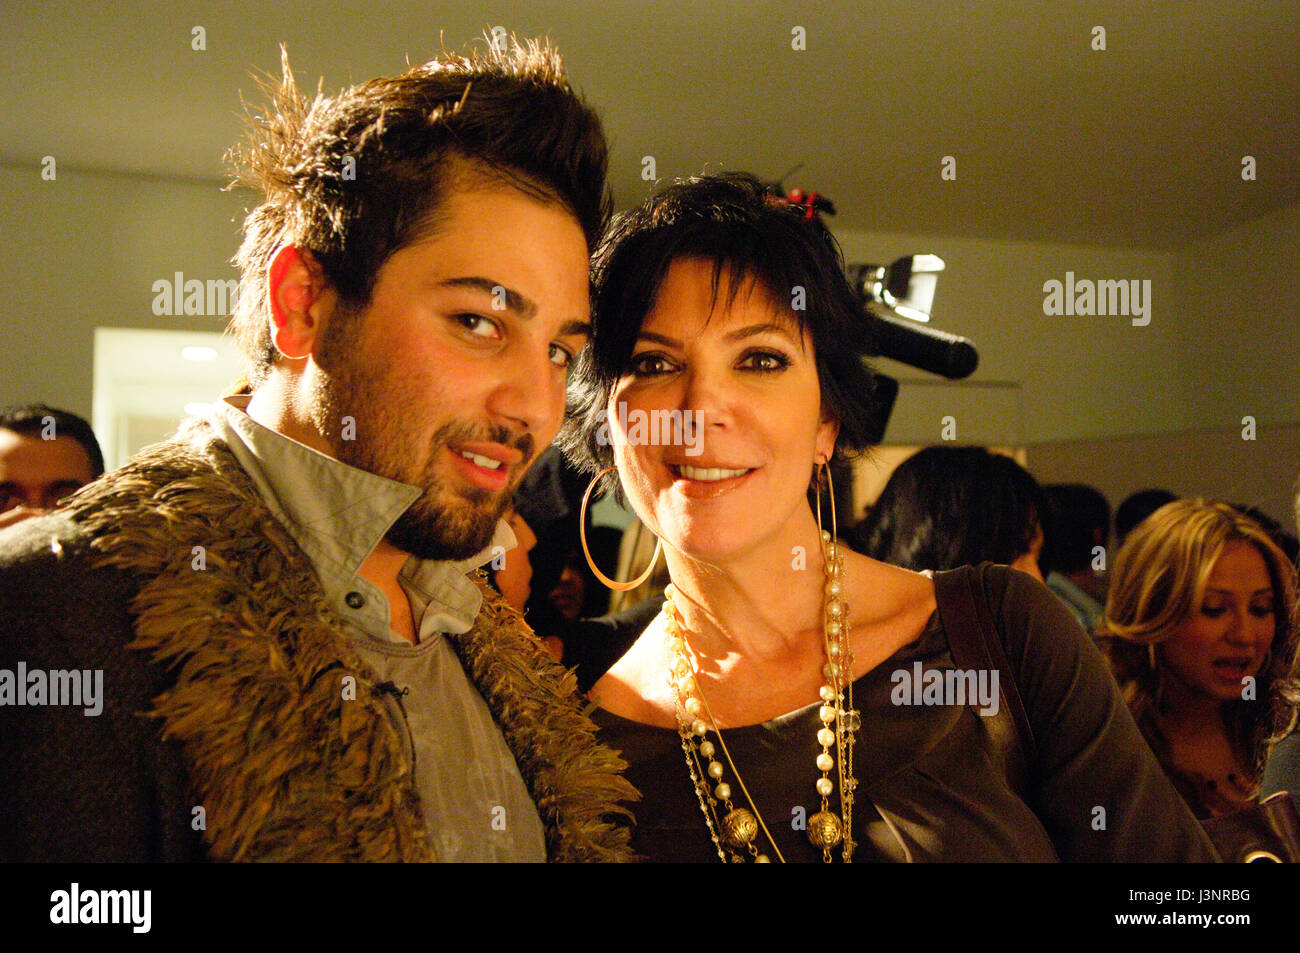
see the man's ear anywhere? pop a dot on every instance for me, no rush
(299, 296)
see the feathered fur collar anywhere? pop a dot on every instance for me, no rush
(284, 766)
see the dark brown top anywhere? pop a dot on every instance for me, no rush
(932, 785)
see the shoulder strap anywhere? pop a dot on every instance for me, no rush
(974, 643)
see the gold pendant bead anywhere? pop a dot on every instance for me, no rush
(740, 827)
(824, 829)
(723, 791)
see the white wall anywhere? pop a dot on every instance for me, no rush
(1241, 323)
(83, 251)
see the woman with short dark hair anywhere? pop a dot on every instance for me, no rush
(795, 700)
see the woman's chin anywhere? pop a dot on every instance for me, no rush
(710, 546)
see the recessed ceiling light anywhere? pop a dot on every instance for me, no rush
(197, 353)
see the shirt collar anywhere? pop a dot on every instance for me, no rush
(335, 512)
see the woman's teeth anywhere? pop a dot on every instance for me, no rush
(708, 474)
(487, 463)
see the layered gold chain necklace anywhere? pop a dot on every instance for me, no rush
(734, 830)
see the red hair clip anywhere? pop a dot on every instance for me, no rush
(812, 203)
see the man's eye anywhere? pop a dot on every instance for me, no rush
(648, 365)
(478, 325)
(561, 356)
(764, 361)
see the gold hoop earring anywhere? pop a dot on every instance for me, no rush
(591, 564)
(824, 471)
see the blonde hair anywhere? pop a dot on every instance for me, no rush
(1157, 583)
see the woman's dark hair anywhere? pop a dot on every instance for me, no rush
(954, 506)
(749, 234)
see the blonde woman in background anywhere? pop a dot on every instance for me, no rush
(1199, 632)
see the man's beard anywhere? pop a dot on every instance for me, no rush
(445, 522)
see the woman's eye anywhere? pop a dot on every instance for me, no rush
(1213, 611)
(764, 361)
(1261, 612)
(478, 325)
(648, 365)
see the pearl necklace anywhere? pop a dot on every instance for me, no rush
(733, 829)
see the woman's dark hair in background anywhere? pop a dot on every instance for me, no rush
(1135, 508)
(946, 507)
(1080, 520)
(749, 234)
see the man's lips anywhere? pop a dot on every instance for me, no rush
(486, 465)
(491, 452)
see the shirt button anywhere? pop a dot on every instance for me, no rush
(355, 600)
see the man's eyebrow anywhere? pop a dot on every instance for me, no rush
(514, 301)
(570, 328)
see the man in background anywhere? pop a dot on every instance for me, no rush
(45, 455)
(1076, 546)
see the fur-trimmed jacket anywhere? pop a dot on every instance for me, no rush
(224, 733)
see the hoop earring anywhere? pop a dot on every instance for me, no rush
(591, 564)
(824, 471)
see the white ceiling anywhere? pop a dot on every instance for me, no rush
(1138, 145)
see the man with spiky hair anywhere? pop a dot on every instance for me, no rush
(301, 658)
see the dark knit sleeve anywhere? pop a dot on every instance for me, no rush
(1101, 794)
